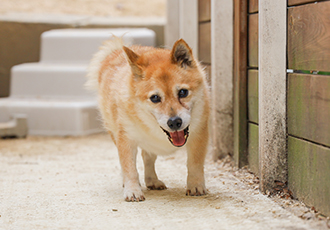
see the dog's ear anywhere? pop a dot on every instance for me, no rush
(182, 54)
(132, 59)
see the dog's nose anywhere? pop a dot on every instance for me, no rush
(174, 123)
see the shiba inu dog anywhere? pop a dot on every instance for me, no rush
(156, 99)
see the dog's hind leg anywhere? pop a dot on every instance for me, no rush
(127, 156)
(150, 175)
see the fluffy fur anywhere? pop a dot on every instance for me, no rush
(156, 99)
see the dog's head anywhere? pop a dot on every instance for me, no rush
(168, 83)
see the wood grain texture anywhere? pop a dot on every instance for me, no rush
(204, 10)
(240, 82)
(204, 43)
(253, 40)
(299, 2)
(253, 6)
(253, 148)
(309, 173)
(253, 96)
(309, 107)
(309, 37)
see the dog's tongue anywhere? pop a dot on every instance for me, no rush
(178, 138)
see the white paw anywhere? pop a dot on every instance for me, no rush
(155, 184)
(133, 194)
(196, 189)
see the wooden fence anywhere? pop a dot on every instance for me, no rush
(269, 63)
(307, 99)
(308, 102)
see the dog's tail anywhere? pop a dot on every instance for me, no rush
(95, 65)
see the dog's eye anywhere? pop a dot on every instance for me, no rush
(183, 93)
(155, 98)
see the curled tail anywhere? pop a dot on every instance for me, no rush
(95, 65)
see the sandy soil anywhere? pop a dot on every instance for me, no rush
(75, 183)
(108, 8)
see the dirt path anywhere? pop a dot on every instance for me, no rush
(75, 183)
(107, 8)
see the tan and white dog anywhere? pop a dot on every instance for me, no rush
(156, 99)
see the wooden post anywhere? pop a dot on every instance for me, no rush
(272, 93)
(240, 82)
(222, 77)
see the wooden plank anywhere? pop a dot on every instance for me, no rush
(253, 148)
(309, 37)
(240, 82)
(309, 107)
(253, 96)
(204, 44)
(309, 173)
(253, 6)
(299, 2)
(253, 40)
(204, 10)
(272, 93)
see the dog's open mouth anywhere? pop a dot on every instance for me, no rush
(178, 138)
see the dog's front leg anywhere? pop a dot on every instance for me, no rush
(197, 150)
(127, 155)
(150, 176)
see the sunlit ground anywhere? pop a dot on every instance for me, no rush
(104, 8)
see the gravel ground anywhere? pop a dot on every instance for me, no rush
(107, 8)
(75, 183)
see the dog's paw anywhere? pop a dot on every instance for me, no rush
(196, 190)
(132, 195)
(155, 184)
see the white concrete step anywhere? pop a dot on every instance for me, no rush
(79, 45)
(51, 93)
(49, 80)
(54, 117)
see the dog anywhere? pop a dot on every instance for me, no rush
(158, 100)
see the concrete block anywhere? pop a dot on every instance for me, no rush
(79, 45)
(172, 28)
(23, 36)
(272, 93)
(16, 127)
(51, 92)
(222, 78)
(54, 117)
(20, 45)
(48, 80)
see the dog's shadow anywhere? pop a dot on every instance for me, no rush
(173, 195)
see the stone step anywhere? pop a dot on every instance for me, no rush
(54, 117)
(51, 93)
(79, 45)
(49, 80)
